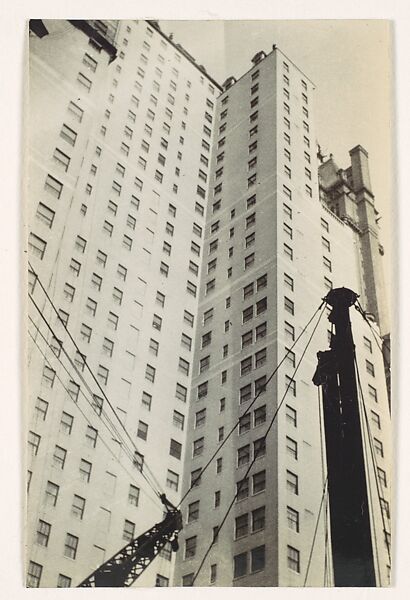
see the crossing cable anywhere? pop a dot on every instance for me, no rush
(107, 423)
(91, 372)
(327, 578)
(322, 457)
(259, 448)
(114, 430)
(324, 493)
(263, 388)
(374, 460)
(89, 369)
(87, 419)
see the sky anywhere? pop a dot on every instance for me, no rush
(348, 61)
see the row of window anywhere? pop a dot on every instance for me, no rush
(34, 574)
(177, 57)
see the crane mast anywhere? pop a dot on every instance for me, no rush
(352, 550)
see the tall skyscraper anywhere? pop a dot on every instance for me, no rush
(181, 236)
(120, 135)
(277, 239)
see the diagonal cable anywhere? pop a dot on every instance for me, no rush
(324, 492)
(85, 362)
(256, 454)
(88, 420)
(94, 378)
(231, 431)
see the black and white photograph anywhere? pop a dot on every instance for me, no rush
(207, 225)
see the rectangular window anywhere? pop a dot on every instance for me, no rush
(291, 447)
(190, 547)
(289, 306)
(252, 180)
(260, 385)
(260, 358)
(202, 390)
(71, 546)
(41, 409)
(34, 442)
(370, 368)
(84, 82)
(78, 507)
(142, 431)
(240, 564)
(52, 491)
(292, 483)
(200, 418)
(290, 357)
(191, 288)
(34, 573)
(259, 447)
(68, 135)
(164, 269)
(75, 111)
(244, 423)
(293, 559)
(249, 261)
(61, 159)
(247, 314)
(248, 290)
(257, 559)
(247, 338)
(183, 366)
(186, 341)
(193, 511)
(178, 420)
(198, 447)
(287, 211)
(289, 331)
(246, 365)
(204, 363)
(372, 392)
(258, 519)
(128, 531)
(288, 281)
(172, 480)
(85, 470)
(59, 457)
(261, 306)
(288, 251)
(150, 373)
(259, 416)
(375, 418)
(53, 186)
(291, 416)
(63, 581)
(288, 230)
(243, 455)
(188, 318)
(48, 376)
(367, 343)
(241, 526)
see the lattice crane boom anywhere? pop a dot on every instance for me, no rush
(122, 569)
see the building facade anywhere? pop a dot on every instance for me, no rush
(120, 137)
(185, 233)
(274, 246)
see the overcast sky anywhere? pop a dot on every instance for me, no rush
(349, 62)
